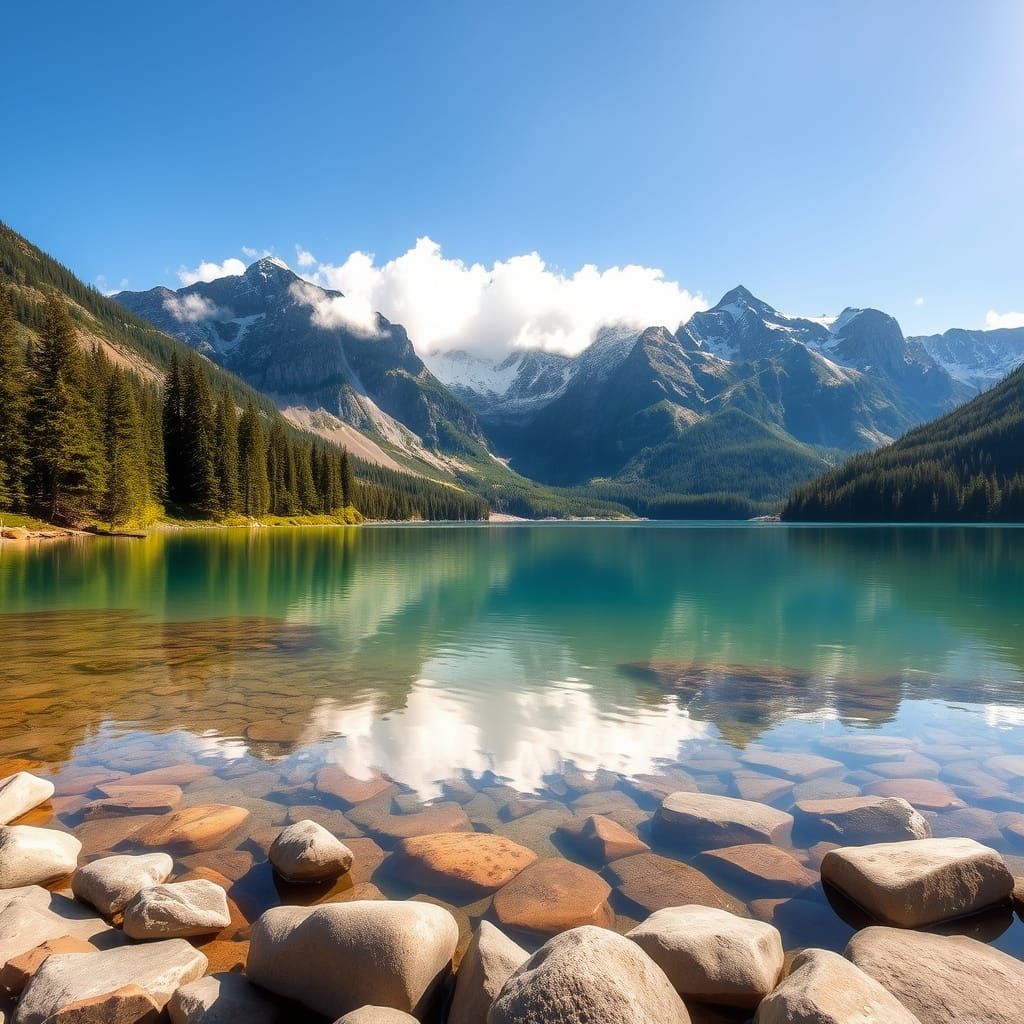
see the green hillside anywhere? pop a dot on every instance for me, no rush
(103, 370)
(967, 466)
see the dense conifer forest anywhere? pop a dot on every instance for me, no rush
(967, 466)
(132, 425)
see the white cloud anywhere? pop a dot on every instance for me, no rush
(919, 301)
(105, 287)
(255, 254)
(515, 303)
(994, 321)
(207, 271)
(190, 309)
(304, 257)
(352, 312)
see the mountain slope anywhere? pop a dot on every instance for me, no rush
(966, 466)
(978, 359)
(130, 343)
(286, 338)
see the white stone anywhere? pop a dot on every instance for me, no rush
(490, 960)
(307, 852)
(20, 793)
(178, 910)
(111, 883)
(221, 999)
(35, 856)
(703, 820)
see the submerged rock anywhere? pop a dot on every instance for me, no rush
(763, 867)
(825, 988)
(204, 827)
(704, 821)
(585, 976)
(919, 882)
(472, 861)
(178, 910)
(553, 895)
(601, 839)
(111, 883)
(863, 819)
(489, 962)
(942, 979)
(653, 882)
(393, 954)
(35, 856)
(307, 852)
(21, 793)
(711, 955)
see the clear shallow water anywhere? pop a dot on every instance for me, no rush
(507, 656)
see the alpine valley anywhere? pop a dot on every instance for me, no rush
(722, 416)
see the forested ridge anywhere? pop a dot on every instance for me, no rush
(133, 424)
(967, 466)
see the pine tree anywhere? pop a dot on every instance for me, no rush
(202, 488)
(173, 439)
(67, 450)
(281, 471)
(14, 396)
(252, 462)
(309, 500)
(152, 420)
(128, 497)
(348, 486)
(227, 455)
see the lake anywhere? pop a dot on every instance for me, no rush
(486, 667)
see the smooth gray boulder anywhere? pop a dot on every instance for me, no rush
(222, 999)
(713, 956)
(177, 911)
(705, 821)
(490, 960)
(160, 968)
(307, 852)
(21, 793)
(825, 988)
(919, 882)
(943, 979)
(588, 976)
(111, 883)
(862, 819)
(35, 856)
(339, 957)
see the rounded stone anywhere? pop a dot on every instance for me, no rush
(490, 960)
(477, 862)
(307, 852)
(111, 883)
(393, 954)
(863, 819)
(35, 856)
(21, 793)
(586, 976)
(713, 956)
(178, 910)
(704, 821)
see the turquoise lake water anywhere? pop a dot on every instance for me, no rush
(511, 654)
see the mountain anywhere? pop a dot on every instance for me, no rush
(129, 343)
(780, 396)
(287, 338)
(978, 359)
(967, 466)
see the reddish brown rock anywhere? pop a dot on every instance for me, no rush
(119, 801)
(553, 895)
(926, 794)
(471, 861)
(349, 790)
(204, 827)
(129, 1004)
(763, 867)
(653, 882)
(442, 817)
(600, 838)
(232, 864)
(18, 971)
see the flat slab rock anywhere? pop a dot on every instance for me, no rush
(204, 827)
(600, 838)
(349, 790)
(553, 895)
(763, 867)
(825, 988)
(796, 766)
(942, 979)
(919, 882)
(588, 975)
(713, 956)
(863, 819)
(158, 968)
(119, 800)
(476, 862)
(654, 882)
(929, 794)
(703, 820)
(16, 973)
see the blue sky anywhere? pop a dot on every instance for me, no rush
(823, 154)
